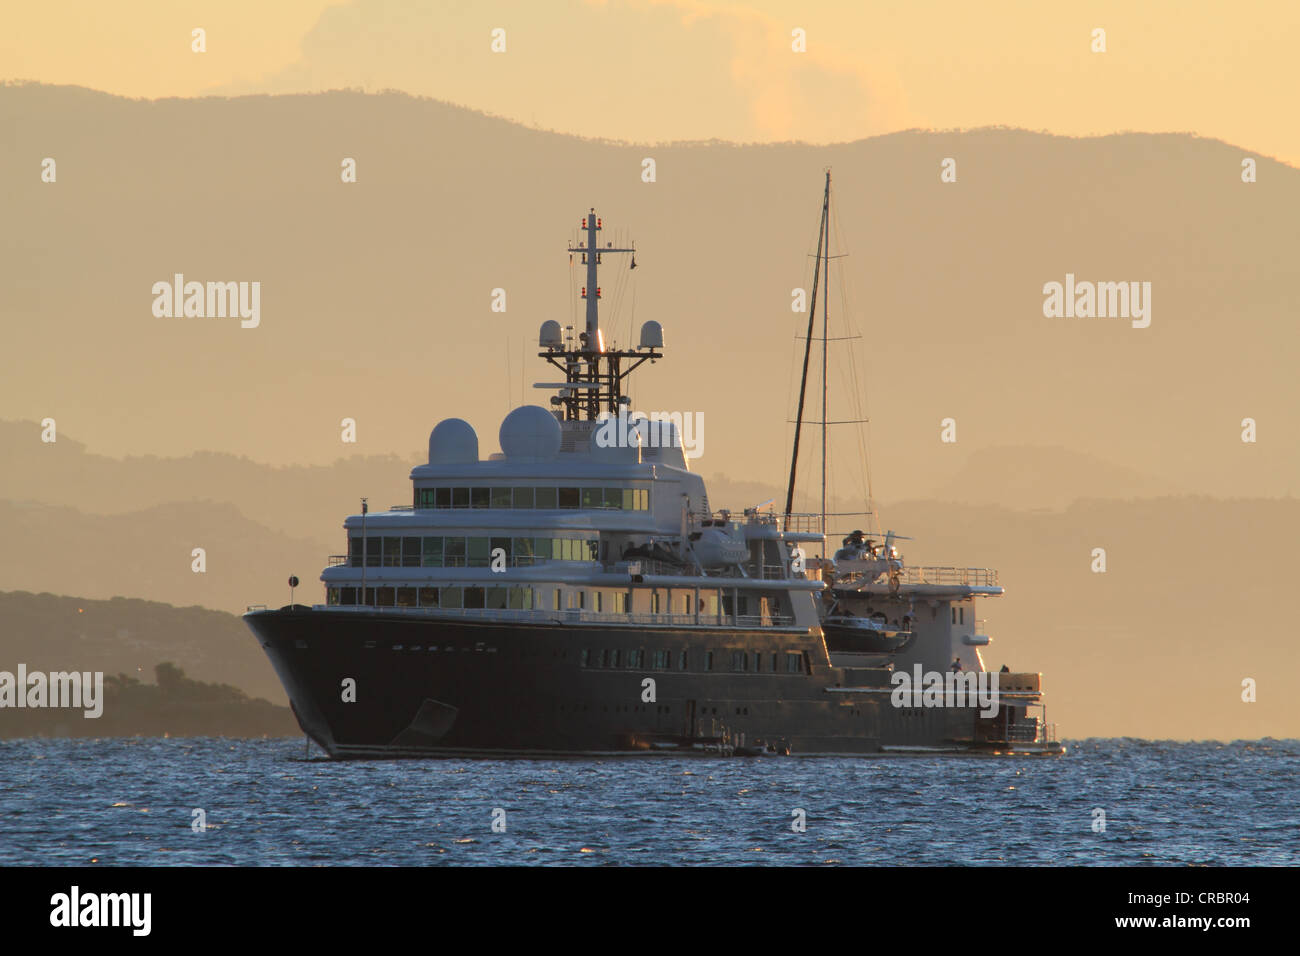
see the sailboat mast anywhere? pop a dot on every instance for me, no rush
(807, 353)
(826, 286)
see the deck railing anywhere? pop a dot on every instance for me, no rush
(967, 577)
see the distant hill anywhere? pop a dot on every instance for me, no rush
(1025, 477)
(376, 306)
(173, 707)
(376, 296)
(300, 501)
(148, 554)
(49, 632)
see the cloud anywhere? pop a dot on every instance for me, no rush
(636, 70)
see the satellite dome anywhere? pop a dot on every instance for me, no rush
(652, 335)
(551, 336)
(530, 431)
(453, 442)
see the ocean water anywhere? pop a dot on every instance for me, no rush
(131, 801)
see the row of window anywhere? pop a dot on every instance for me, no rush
(741, 661)
(518, 599)
(600, 600)
(409, 551)
(603, 600)
(548, 499)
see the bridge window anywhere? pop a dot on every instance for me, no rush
(432, 552)
(616, 499)
(410, 552)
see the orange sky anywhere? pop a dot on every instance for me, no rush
(694, 69)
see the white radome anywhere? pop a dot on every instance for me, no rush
(530, 431)
(453, 441)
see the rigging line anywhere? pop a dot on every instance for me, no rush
(631, 319)
(623, 281)
(859, 397)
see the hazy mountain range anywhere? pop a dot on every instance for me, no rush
(376, 295)
(1072, 434)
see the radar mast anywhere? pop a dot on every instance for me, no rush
(593, 375)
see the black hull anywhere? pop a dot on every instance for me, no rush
(522, 689)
